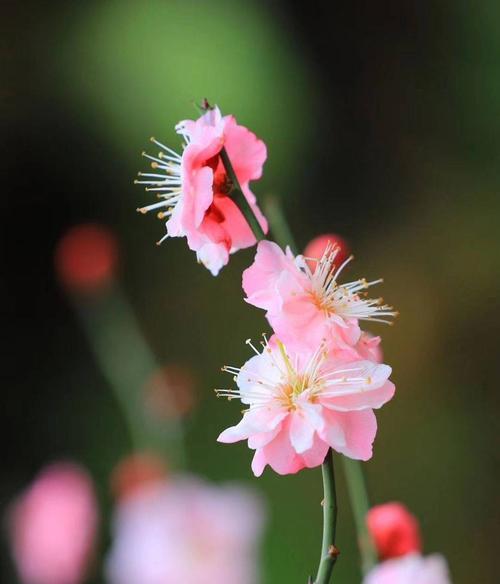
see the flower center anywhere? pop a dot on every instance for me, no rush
(296, 383)
(348, 300)
(222, 184)
(291, 390)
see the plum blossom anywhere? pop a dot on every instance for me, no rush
(185, 530)
(53, 526)
(395, 531)
(194, 189)
(411, 569)
(304, 306)
(300, 403)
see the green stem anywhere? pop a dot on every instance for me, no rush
(113, 334)
(329, 552)
(279, 225)
(358, 495)
(240, 199)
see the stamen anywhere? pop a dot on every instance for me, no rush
(344, 300)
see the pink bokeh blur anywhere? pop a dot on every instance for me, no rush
(53, 526)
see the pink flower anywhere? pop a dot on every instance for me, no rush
(185, 530)
(412, 569)
(302, 402)
(306, 307)
(53, 526)
(195, 191)
(394, 530)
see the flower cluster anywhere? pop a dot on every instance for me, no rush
(194, 189)
(315, 383)
(312, 385)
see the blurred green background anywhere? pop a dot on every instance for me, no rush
(382, 122)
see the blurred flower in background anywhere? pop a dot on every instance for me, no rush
(53, 526)
(186, 530)
(317, 247)
(135, 472)
(412, 569)
(86, 257)
(394, 530)
(170, 392)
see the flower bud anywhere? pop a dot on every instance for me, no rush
(395, 531)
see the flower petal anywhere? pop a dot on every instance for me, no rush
(246, 152)
(350, 433)
(254, 421)
(364, 386)
(316, 454)
(301, 432)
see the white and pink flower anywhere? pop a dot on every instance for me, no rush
(411, 569)
(306, 306)
(194, 189)
(186, 530)
(300, 403)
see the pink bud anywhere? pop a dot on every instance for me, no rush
(53, 525)
(394, 529)
(86, 257)
(317, 246)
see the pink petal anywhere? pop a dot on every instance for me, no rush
(213, 256)
(260, 278)
(301, 432)
(246, 152)
(259, 462)
(202, 193)
(259, 440)
(279, 454)
(254, 421)
(361, 399)
(350, 433)
(316, 455)
(234, 223)
(366, 386)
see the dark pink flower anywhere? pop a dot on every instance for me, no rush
(195, 191)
